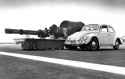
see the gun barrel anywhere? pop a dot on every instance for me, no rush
(20, 31)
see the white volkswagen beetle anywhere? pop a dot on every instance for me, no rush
(92, 37)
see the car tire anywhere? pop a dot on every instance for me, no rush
(116, 46)
(93, 45)
(70, 47)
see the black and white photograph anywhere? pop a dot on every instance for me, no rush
(62, 39)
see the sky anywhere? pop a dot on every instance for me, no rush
(38, 14)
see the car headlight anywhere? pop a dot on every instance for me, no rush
(68, 38)
(80, 41)
(85, 38)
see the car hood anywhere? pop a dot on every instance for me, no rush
(78, 35)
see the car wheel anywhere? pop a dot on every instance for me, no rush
(70, 47)
(116, 46)
(94, 44)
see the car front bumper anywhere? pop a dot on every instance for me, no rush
(75, 43)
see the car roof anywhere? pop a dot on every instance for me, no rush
(93, 25)
(99, 25)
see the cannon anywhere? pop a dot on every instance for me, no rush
(66, 28)
(40, 33)
(40, 43)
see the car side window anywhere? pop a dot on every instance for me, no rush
(104, 28)
(110, 29)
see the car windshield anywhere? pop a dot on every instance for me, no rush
(90, 28)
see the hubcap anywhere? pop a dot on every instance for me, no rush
(116, 43)
(93, 43)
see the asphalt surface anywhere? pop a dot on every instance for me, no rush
(103, 56)
(16, 68)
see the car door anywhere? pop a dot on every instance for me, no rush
(103, 35)
(111, 35)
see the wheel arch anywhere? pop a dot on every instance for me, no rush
(95, 37)
(92, 36)
(120, 42)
